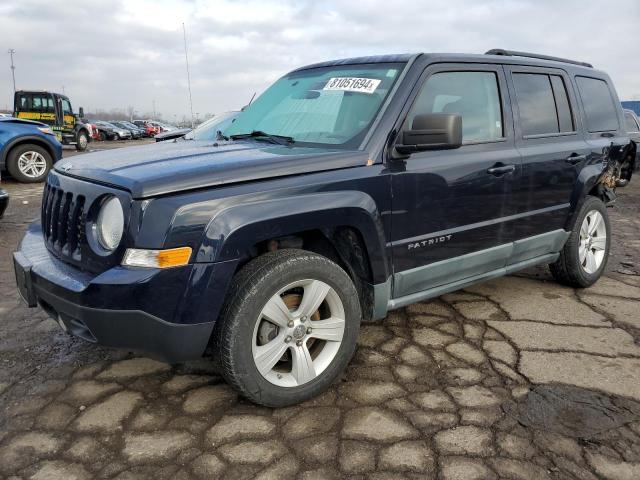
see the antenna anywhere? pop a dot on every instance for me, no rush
(11, 51)
(186, 58)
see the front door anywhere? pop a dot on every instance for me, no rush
(451, 208)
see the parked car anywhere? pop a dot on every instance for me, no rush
(141, 131)
(347, 189)
(28, 149)
(207, 130)
(162, 126)
(133, 131)
(632, 123)
(151, 130)
(95, 132)
(109, 131)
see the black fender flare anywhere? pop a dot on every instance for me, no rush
(21, 140)
(234, 230)
(588, 178)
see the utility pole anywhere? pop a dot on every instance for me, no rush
(11, 51)
(154, 108)
(186, 58)
(63, 89)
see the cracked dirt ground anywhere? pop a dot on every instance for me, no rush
(433, 390)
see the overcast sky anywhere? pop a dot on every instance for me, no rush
(120, 53)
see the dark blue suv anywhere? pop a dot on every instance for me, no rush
(348, 189)
(28, 149)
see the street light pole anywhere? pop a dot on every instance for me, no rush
(186, 57)
(11, 51)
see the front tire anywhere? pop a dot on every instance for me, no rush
(82, 141)
(584, 256)
(29, 163)
(288, 328)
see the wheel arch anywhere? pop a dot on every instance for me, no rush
(25, 140)
(348, 220)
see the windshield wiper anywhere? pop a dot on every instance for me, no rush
(257, 134)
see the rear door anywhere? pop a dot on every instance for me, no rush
(451, 207)
(554, 150)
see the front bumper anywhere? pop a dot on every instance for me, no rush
(4, 202)
(80, 303)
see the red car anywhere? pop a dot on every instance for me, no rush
(151, 129)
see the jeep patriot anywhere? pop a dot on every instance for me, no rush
(347, 189)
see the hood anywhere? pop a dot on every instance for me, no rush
(175, 166)
(22, 121)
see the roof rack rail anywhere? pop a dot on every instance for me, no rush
(512, 53)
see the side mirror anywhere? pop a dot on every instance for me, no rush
(81, 112)
(432, 131)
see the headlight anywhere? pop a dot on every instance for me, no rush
(46, 130)
(109, 226)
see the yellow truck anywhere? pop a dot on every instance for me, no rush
(53, 109)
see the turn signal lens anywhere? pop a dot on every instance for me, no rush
(172, 257)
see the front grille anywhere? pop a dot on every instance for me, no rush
(63, 222)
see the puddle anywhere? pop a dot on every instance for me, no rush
(572, 411)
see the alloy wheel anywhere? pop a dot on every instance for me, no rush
(32, 164)
(298, 333)
(593, 241)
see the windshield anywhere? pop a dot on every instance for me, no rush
(321, 106)
(209, 130)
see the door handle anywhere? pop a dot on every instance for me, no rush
(501, 170)
(574, 158)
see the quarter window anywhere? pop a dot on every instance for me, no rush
(473, 95)
(598, 104)
(543, 104)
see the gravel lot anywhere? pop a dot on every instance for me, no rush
(516, 378)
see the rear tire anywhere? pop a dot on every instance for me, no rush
(273, 347)
(29, 163)
(584, 256)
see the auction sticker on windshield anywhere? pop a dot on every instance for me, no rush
(352, 84)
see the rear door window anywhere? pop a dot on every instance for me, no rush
(543, 104)
(599, 107)
(563, 107)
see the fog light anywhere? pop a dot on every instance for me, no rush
(172, 257)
